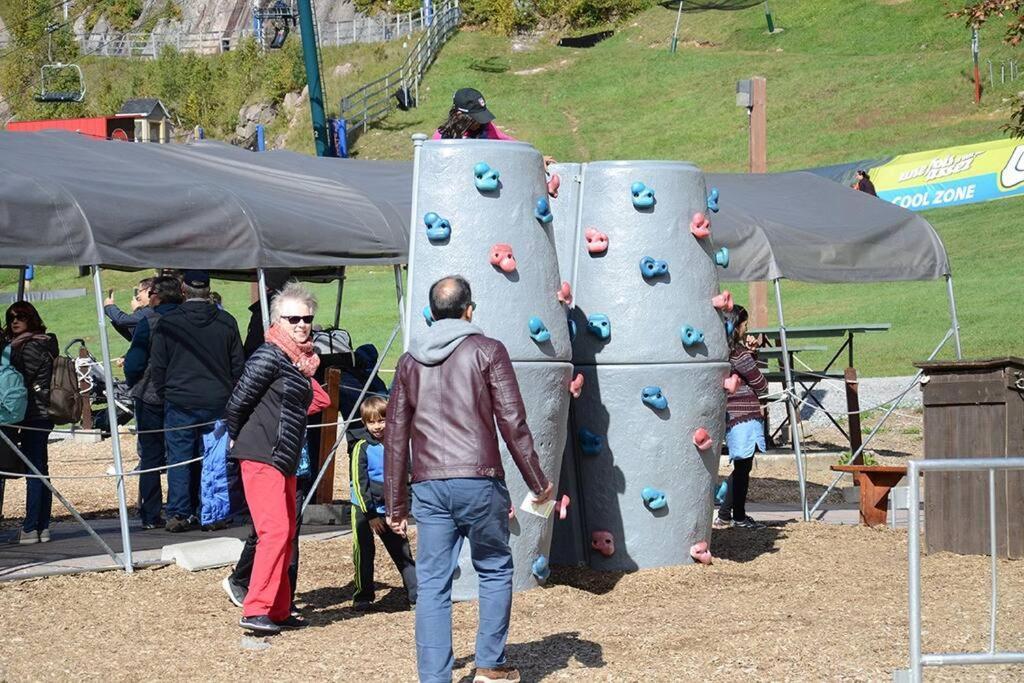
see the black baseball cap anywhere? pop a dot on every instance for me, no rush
(470, 101)
(197, 279)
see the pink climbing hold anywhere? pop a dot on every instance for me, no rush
(723, 300)
(732, 383)
(702, 440)
(603, 542)
(502, 257)
(562, 506)
(700, 226)
(565, 294)
(700, 552)
(512, 511)
(576, 385)
(553, 184)
(597, 241)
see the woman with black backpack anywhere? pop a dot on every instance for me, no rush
(32, 354)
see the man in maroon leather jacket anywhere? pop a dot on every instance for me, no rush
(453, 391)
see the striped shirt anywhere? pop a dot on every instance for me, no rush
(743, 405)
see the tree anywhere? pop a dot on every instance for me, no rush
(980, 12)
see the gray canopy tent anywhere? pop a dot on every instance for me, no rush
(70, 200)
(801, 226)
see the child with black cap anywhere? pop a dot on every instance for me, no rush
(470, 118)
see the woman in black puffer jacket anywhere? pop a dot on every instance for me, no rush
(266, 418)
(32, 354)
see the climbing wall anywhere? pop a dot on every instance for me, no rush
(483, 212)
(650, 346)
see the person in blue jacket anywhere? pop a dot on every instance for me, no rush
(366, 462)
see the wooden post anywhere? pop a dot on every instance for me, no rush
(758, 153)
(325, 492)
(84, 386)
(853, 418)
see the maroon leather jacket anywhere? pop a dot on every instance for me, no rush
(449, 411)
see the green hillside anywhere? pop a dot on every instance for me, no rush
(846, 80)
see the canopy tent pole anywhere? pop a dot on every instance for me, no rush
(417, 146)
(22, 271)
(790, 407)
(115, 437)
(341, 292)
(953, 318)
(400, 296)
(264, 303)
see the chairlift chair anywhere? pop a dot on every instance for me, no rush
(279, 16)
(60, 73)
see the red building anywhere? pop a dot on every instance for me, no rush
(140, 120)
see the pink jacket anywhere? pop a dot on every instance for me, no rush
(491, 132)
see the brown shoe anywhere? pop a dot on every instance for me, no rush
(498, 675)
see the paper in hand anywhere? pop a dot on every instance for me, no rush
(541, 509)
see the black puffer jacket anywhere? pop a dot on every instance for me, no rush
(34, 360)
(266, 413)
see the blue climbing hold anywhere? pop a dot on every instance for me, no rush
(722, 257)
(729, 327)
(643, 196)
(540, 569)
(428, 316)
(539, 331)
(654, 397)
(690, 335)
(486, 177)
(590, 443)
(652, 267)
(720, 491)
(713, 200)
(438, 229)
(653, 498)
(543, 210)
(572, 329)
(599, 325)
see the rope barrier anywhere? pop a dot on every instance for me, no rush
(884, 404)
(131, 473)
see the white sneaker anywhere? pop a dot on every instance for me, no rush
(28, 537)
(44, 536)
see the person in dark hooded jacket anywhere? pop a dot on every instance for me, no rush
(195, 360)
(32, 354)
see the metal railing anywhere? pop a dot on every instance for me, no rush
(147, 45)
(918, 660)
(375, 100)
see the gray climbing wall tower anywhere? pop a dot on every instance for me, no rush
(516, 302)
(642, 282)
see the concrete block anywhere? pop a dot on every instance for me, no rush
(205, 554)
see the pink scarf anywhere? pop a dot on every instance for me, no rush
(301, 355)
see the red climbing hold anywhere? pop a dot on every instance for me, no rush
(723, 300)
(553, 184)
(702, 440)
(597, 241)
(512, 511)
(564, 294)
(732, 383)
(502, 257)
(700, 552)
(562, 506)
(576, 385)
(700, 226)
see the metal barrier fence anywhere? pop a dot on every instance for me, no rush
(147, 45)
(918, 660)
(376, 100)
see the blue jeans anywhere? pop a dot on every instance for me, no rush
(38, 498)
(448, 511)
(182, 445)
(151, 455)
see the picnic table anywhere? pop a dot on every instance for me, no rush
(875, 483)
(808, 380)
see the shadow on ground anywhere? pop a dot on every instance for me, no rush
(745, 545)
(325, 606)
(540, 658)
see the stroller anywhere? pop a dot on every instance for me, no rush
(92, 372)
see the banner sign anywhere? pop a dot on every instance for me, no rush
(952, 176)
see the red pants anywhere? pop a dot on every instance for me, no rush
(271, 499)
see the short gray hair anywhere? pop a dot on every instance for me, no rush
(295, 291)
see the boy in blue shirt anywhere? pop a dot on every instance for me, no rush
(366, 472)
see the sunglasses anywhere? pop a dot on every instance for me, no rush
(296, 319)
(23, 317)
